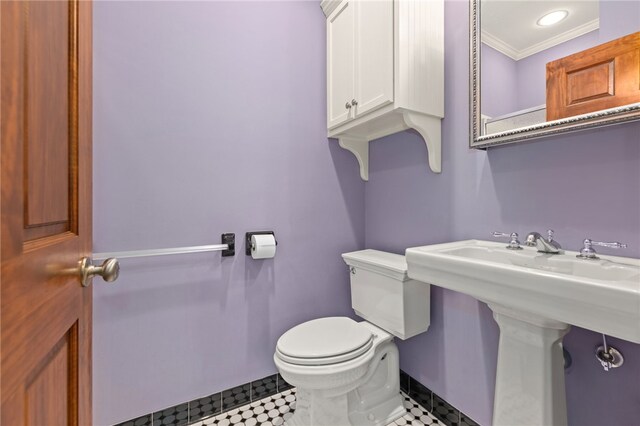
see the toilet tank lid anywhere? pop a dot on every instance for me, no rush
(391, 264)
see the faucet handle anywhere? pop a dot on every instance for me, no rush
(514, 244)
(614, 244)
(550, 235)
(588, 252)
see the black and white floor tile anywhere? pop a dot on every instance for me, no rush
(275, 410)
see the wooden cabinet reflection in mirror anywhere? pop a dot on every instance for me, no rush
(605, 76)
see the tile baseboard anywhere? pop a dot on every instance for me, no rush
(220, 402)
(433, 403)
(217, 403)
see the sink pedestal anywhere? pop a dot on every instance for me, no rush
(530, 376)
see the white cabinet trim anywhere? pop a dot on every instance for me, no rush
(360, 148)
(430, 128)
(328, 6)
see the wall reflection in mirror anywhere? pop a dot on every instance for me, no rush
(543, 62)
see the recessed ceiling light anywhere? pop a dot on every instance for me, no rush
(552, 18)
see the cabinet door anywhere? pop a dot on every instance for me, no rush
(340, 63)
(374, 54)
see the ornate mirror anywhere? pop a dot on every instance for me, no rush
(540, 68)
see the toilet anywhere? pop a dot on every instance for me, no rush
(347, 372)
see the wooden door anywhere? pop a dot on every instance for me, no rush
(602, 77)
(46, 212)
(374, 54)
(340, 64)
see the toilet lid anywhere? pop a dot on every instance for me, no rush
(324, 341)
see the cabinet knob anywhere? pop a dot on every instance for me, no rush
(354, 102)
(347, 105)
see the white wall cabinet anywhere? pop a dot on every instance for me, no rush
(385, 73)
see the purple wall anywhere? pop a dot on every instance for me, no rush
(499, 78)
(209, 117)
(583, 184)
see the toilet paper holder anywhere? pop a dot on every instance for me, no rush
(248, 235)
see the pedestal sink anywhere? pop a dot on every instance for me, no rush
(535, 298)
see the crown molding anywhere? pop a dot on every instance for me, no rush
(515, 54)
(499, 45)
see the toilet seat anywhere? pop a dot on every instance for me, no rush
(324, 341)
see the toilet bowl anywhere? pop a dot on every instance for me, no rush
(347, 372)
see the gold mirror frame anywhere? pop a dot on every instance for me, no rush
(601, 118)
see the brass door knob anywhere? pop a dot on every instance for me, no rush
(109, 270)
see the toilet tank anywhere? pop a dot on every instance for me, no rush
(383, 294)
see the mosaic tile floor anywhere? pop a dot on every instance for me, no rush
(276, 409)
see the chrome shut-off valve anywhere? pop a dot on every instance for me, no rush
(608, 356)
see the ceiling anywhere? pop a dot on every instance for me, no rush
(509, 26)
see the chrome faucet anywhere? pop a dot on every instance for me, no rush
(548, 245)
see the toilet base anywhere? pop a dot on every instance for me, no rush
(322, 411)
(374, 400)
(314, 409)
(382, 415)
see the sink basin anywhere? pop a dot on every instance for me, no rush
(601, 295)
(535, 298)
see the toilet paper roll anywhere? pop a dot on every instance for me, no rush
(263, 246)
